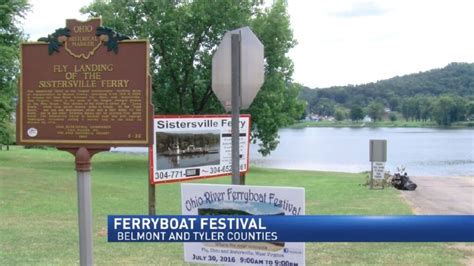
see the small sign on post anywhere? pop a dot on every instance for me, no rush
(377, 157)
(378, 170)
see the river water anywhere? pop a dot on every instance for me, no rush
(423, 151)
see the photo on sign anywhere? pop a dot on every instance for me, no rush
(181, 150)
(212, 199)
(242, 208)
(197, 146)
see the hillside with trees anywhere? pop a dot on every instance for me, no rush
(443, 95)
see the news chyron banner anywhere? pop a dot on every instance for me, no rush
(207, 199)
(190, 147)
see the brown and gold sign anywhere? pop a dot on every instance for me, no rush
(84, 85)
(83, 42)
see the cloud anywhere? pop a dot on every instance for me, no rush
(344, 41)
(361, 9)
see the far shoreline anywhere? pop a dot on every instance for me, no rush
(380, 124)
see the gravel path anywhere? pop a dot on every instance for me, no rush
(441, 195)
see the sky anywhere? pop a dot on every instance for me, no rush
(343, 42)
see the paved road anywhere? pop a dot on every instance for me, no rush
(442, 195)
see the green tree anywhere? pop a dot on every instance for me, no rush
(10, 37)
(375, 110)
(470, 109)
(5, 112)
(425, 107)
(443, 110)
(356, 113)
(340, 114)
(392, 116)
(393, 101)
(183, 37)
(323, 106)
(410, 108)
(460, 110)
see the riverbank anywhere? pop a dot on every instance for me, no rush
(38, 211)
(384, 123)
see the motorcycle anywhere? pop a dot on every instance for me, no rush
(401, 181)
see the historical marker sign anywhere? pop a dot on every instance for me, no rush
(85, 85)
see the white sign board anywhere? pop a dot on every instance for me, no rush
(206, 199)
(378, 170)
(252, 70)
(190, 147)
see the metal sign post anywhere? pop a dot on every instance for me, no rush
(235, 58)
(83, 167)
(84, 204)
(237, 75)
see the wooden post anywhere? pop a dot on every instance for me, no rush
(151, 199)
(371, 181)
(242, 179)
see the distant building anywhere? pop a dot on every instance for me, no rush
(386, 113)
(367, 119)
(313, 117)
(317, 117)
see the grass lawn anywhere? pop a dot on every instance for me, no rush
(38, 212)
